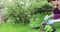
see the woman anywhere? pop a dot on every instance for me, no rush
(56, 12)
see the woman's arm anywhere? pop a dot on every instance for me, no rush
(57, 20)
(51, 16)
(47, 17)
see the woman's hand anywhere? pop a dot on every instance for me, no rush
(52, 21)
(46, 18)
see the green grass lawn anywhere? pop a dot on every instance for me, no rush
(18, 28)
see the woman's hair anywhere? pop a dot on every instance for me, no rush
(50, 0)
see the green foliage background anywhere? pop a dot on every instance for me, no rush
(30, 12)
(22, 10)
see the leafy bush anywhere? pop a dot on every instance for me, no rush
(20, 11)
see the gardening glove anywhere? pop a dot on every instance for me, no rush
(51, 21)
(46, 17)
